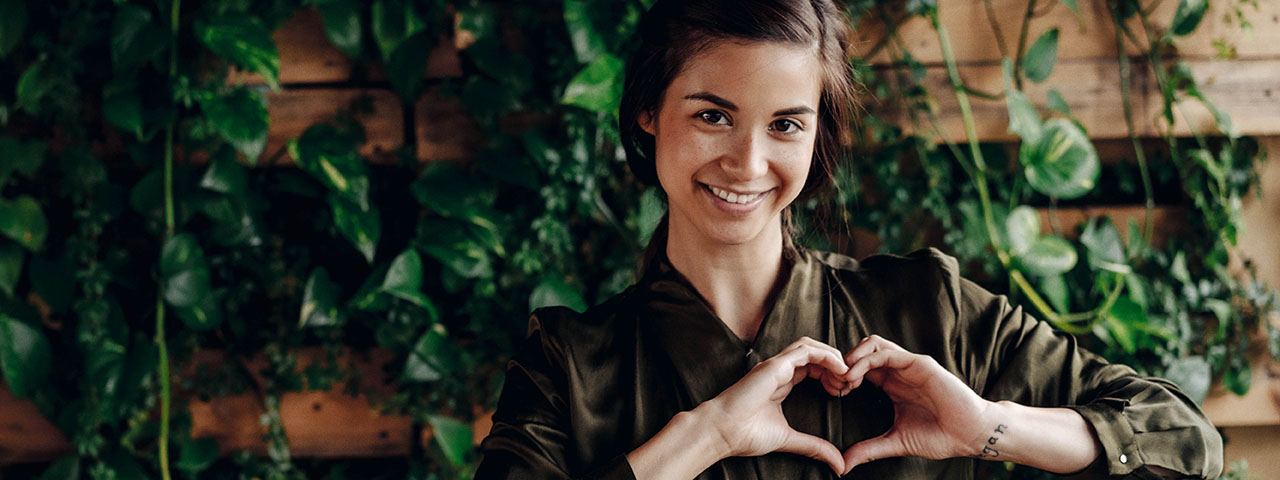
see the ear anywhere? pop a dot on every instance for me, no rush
(646, 121)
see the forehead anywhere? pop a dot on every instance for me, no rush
(759, 74)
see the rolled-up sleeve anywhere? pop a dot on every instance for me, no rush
(531, 431)
(1139, 421)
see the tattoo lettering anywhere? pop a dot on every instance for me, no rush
(989, 450)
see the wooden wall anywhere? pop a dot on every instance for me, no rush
(318, 80)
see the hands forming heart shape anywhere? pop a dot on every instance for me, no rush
(936, 415)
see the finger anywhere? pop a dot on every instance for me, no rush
(815, 448)
(893, 359)
(869, 345)
(872, 449)
(827, 358)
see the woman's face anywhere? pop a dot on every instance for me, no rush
(734, 138)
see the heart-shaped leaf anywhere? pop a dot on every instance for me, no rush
(1024, 121)
(1104, 246)
(362, 228)
(240, 118)
(332, 157)
(1188, 16)
(1049, 255)
(24, 356)
(553, 292)
(320, 301)
(1063, 162)
(342, 25)
(452, 192)
(135, 38)
(598, 87)
(1023, 228)
(21, 157)
(432, 357)
(22, 220)
(1040, 58)
(404, 279)
(453, 436)
(11, 259)
(243, 41)
(225, 175)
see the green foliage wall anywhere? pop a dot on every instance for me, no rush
(138, 226)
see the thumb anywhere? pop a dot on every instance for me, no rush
(815, 448)
(872, 449)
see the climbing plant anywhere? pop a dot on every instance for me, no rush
(146, 229)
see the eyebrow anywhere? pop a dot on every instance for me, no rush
(727, 105)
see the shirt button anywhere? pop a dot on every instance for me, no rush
(1123, 458)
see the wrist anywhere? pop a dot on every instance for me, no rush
(707, 425)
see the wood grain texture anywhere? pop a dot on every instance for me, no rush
(1092, 35)
(25, 435)
(443, 129)
(1248, 90)
(292, 111)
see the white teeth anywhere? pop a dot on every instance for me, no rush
(734, 197)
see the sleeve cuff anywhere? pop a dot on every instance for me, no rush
(617, 468)
(1120, 454)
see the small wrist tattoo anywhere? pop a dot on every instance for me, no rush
(989, 448)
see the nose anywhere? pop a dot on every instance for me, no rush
(748, 158)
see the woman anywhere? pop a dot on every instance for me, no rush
(736, 109)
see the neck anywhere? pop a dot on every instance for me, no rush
(738, 281)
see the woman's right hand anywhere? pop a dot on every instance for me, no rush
(748, 415)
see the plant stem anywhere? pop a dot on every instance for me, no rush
(995, 28)
(1022, 42)
(1126, 102)
(162, 347)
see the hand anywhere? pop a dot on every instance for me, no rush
(936, 415)
(748, 415)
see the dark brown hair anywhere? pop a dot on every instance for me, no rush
(673, 31)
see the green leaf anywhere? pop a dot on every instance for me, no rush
(81, 169)
(1188, 16)
(226, 176)
(11, 259)
(33, 86)
(454, 245)
(342, 25)
(333, 158)
(242, 40)
(1122, 333)
(1238, 377)
(1023, 227)
(185, 282)
(320, 301)
(393, 22)
(432, 357)
(13, 25)
(598, 87)
(66, 468)
(21, 157)
(123, 110)
(1040, 58)
(453, 436)
(181, 253)
(206, 315)
(362, 228)
(370, 297)
(404, 280)
(197, 455)
(1193, 376)
(240, 118)
(135, 38)
(1049, 255)
(1056, 291)
(554, 292)
(1075, 8)
(1104, 246)
(650, 213)
(1057, 103)
(22, 220)
(24, 356)
(104, 366)
(1024, 121)
(407, 65)
(1063, 162)
(587, 44)
(452, 192)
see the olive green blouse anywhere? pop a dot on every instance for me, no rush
(585, 389)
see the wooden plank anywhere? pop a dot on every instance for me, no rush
(307, 56)
(292, 111)
(443, 129)
(25, 435)
(1261, 217)
(1169, 220)
(1261, 406)
(974, 41)
(1257, 445)
(1249, 91)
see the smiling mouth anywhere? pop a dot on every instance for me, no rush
(733, 197)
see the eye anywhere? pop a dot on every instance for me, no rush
(785, 126)
(714, 117)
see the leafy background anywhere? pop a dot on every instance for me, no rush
(156, 247)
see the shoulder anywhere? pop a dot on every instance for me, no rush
(567, 330)
(927, 263)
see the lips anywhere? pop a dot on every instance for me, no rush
(736, 198)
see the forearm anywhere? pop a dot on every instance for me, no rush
(1057, 440)
(681, 450)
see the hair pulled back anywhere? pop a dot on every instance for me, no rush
(674, 31)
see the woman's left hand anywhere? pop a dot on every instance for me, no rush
(936, 415)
